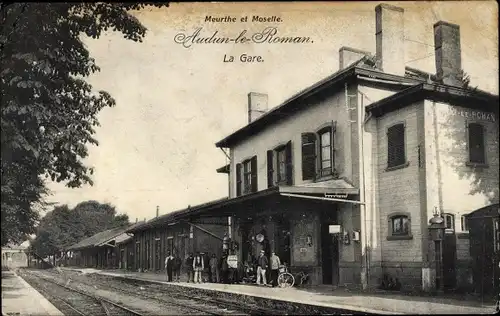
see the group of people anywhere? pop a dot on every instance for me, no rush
(225, 270)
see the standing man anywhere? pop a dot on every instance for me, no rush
(169, 266)
(177, 268)
(198, 268)
(214, 269)
(225, 269)
(262, 264)
(275, 265)
(189, 267)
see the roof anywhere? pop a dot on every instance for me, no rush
(356, 71)
(170, 217)
(328, 85)
(100, 238)
(492, 210)
(475, 99)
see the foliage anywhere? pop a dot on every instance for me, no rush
(63, 227)
(48, 110)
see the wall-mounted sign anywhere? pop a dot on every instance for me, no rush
(475, 115)
(334, 229)
(336, 195)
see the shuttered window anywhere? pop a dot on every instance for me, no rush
(280, 165)
(308, 156)
(239, 182)
(247, 176)
(326, 161)
(289, 164)
(270, 168)
(253, 181)
(396, 155)
(476, 143)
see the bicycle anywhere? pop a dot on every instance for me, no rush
(285, 279)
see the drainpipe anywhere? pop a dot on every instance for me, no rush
(362, 207)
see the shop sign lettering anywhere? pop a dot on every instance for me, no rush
(475, 115)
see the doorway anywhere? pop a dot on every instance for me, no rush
(449, 252)
(329, 248)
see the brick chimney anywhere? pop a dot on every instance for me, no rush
(448, 53)
(257, 105)
(389, 36)
(348, 55)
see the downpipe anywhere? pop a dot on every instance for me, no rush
(365, 277)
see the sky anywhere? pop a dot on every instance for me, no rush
(157, 145)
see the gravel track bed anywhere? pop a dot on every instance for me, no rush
(134, 302)
(251, 304)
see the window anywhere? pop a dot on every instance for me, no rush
(399, 226)
(325, 152)
(464, 225)
(449, 221)
(396, 155)
(308, 156)
(318, 159)
(280, 159)
(281, 165)
(476, 143)
(246, 176)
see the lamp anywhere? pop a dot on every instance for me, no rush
(436, 231)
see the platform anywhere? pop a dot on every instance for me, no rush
(377, 303)
(20, 298)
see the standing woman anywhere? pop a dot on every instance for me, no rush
(198, 268)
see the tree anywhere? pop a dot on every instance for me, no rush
(48, 110)
(63, 227)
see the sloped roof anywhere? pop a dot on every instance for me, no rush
(100, 238)
(171, 217)
(364, 66)
(492, 210)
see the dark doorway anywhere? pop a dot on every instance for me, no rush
(137, 262)
(158, 261)
(449, 252)
(282, 239)
(329, 248)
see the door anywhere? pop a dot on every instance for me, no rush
(329, 248)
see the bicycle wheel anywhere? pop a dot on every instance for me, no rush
(286, 280)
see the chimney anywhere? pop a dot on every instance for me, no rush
(157, 210)
(347, 56)
(144, 219)
(136, 219)
(389, 35)
(257, 105)
(448, 53)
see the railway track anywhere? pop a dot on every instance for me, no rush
(77, 302)
(198, 303)
(232, 308)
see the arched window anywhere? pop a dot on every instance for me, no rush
(399, 226)
(449, 221)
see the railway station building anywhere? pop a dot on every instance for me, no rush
(342, 179)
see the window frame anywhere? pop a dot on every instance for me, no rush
(246, 188)
(405, 162)
(469, 162)
(452, 216)
(276, 153)
(319, 164)
(391, 235)
(464, 224)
